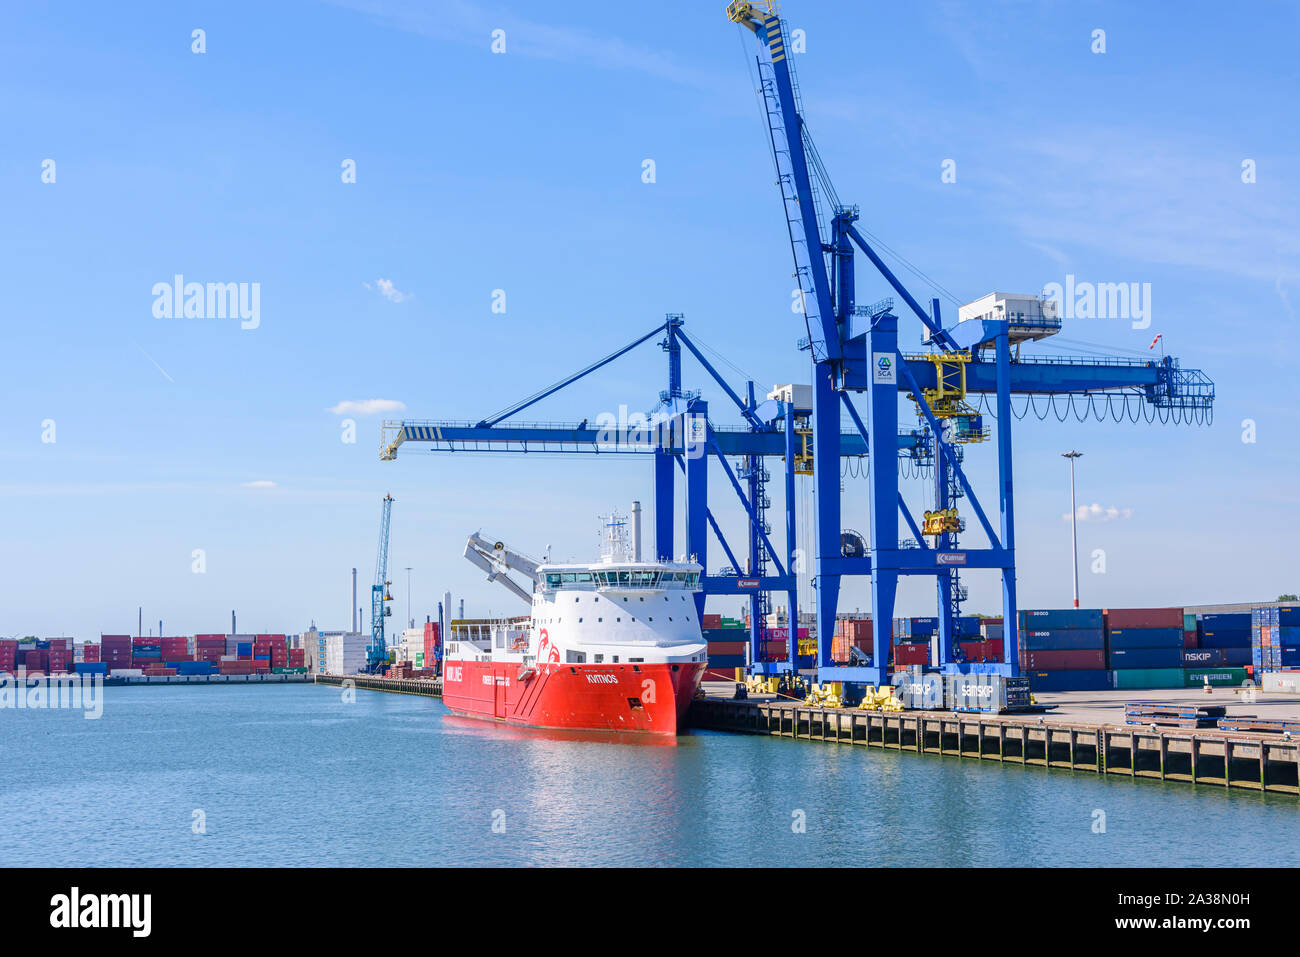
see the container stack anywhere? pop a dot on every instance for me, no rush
(8, 655)
(913, 641)
(1189, 631)
(90, 653)
(1274, 638)
(851, 633)
(1230, 634)
(209, 648)
(1145, 647)
(115, 652)
(271, 649)
(727, 639)
(175, 649)
(146, 652)
(58, 656)
(1064, 649)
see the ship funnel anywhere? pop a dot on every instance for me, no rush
(636, 531)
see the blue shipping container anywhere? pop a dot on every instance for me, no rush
(1236, 657)
(1147, 638)
(1063, 639)
(1047, 619)
(195, 668)
(90, 667)
(1146, 658)
(244, 648)
(1206, 657)
(1234, 621)
(1225, 639)
(1289, 636)
(1086, 680)
(1291, 657)
(726, 661)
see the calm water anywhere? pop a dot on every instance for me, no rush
(294, 776)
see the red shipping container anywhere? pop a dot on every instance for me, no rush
(1189, 639)
(1144, 618)
(32, 659)
(727, 648)
(1074, 660)
(911, 654)
(711, 621)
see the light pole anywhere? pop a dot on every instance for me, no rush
(409, 622)
(1074, 524)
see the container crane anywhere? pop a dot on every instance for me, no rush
(855, 350)
(380, 596)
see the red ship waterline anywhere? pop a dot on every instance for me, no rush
(609, 646)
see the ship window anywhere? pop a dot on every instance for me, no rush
(600, 619)
(624, 578)
(616, 659)
(643, 599)
(569, 577)
(580, 621)
(618, 619)
(652, 617)
(670, 617)
(636, 659)
(600, 659)
(553, 581)
(584, 576)
(575, 657)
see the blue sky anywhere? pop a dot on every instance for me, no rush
(522, 171)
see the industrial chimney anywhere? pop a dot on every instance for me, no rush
(636, 531)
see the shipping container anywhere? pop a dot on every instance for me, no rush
(1218, 677)
(1232, 621)
(1048, 619)
(1063, 639)
(1146, 657)
(1145, 638)
(1074, 680)
(1224, 639)
(1145, 679)
(1075, 660)
(1145, 618)
(1203, 656)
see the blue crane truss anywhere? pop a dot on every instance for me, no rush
(377, 649)
(856, 351)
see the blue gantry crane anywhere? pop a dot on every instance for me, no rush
(856, 351)
(969, 375)
(380, 596)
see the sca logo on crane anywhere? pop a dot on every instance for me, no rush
(883, 371)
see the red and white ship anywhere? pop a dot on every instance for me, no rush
(610, 646)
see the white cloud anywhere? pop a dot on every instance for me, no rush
(388, 290)
(259, 483)
(1096, 513)
(367, 406)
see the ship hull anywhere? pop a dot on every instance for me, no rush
(638, 698)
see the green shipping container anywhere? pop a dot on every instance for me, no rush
(1147, 679)
(1219, 677)
(1189, 622)
(288, 671)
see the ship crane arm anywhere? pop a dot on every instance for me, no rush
(498, 561)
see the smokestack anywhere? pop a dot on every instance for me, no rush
(233, 629)
(636, 531)
(354, 600)
(139, 627)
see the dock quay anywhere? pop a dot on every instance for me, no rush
(428, 687)
(1068, 741)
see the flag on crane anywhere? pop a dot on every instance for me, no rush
(1158, 337)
